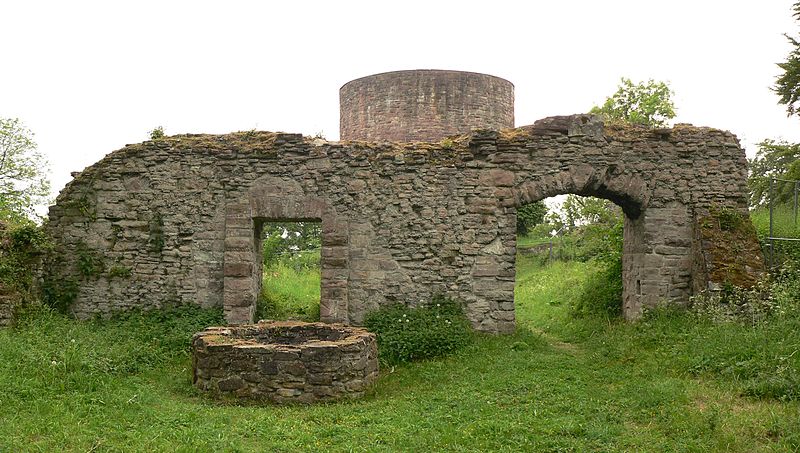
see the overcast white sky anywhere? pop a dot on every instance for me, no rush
(89, 77)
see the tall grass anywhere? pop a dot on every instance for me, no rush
(290, 291)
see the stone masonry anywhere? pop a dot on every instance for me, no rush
(285, 361)
(177, 220)
(423, 105)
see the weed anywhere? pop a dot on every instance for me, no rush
(157, 133)
(431, 330)
(118, 271)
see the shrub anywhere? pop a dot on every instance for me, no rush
(21, 246)
(432, 330)
(601, 293)
(777, 294)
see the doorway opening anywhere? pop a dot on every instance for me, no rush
(290, 277)
(569, 256)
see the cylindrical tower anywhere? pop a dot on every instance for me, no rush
(423, 105)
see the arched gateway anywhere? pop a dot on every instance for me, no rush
(177, 220)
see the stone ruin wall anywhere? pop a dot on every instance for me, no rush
(175, 220)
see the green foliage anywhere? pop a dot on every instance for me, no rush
(90, 262)
(644, 103)
(530, 215)
(671, 382)
(577, 211)
(118, 271)
(432, 330)
(290, 290)
(587, 227)
(787, 86)
(759, 359)
(732, 303)
(601, 293)
(729, 219)
(21, 247)
(783, 225)
(775, 159)
(59, 293)
(23, 173)
(157, 133)
(771, 311)
(74, 356)
(291, 242)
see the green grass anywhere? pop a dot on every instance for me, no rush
(531, 241)
(670, 383)
(290, 292)
(784, 226)
(783, 222)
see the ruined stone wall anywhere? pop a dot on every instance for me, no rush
(175, 220)
(423, 105)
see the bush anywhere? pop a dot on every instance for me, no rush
(20, 249)
(751, 335)
(776, 295)
(406, 334)
(601, 294)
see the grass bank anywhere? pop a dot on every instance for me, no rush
(560, 383)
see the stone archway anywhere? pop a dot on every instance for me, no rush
(630, 193)
(280, 200)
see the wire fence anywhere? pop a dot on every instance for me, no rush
(772, 237)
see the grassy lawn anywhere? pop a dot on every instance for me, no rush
(670, 383)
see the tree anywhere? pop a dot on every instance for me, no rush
(23, 182)
(530, 215)
(577, 211)
(283, 240)
(788, 84)
(775, 159)
(645, 103)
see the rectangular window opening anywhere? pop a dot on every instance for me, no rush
(290, 280)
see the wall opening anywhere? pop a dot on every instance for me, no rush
(289, 253)
(569, 255)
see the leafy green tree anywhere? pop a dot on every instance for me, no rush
(645, 103)
(577, 211)
(775, 159)
(282, 240)
(787, 86)
(23, 180)
(530, 215)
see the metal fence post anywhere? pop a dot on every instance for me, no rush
(771, 246)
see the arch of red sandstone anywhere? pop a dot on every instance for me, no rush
(176, 220)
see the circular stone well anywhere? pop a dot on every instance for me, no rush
(285, 361)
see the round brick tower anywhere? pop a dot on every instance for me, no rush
(423, 105)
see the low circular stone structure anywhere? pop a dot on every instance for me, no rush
(285, 361)
(424, 105)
